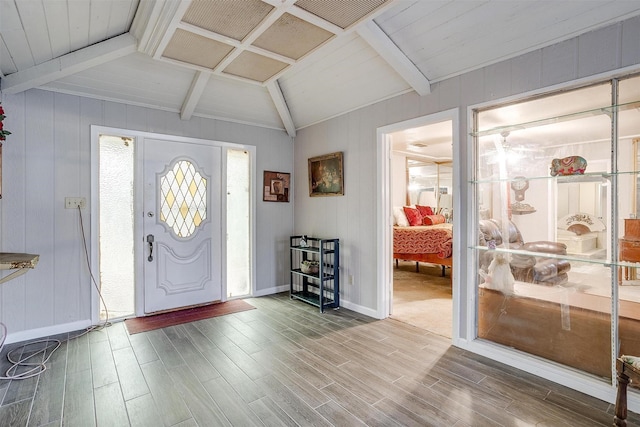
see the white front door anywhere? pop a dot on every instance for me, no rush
(182, 224)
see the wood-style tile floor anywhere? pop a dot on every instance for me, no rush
(285, 364)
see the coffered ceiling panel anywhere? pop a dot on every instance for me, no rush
(339, 12)
(292, 37)
(197, 50)
(230, 18)
(254, 67)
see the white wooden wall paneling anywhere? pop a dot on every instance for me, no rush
(13, 294)
(599, 50)
(629, 52)
(39, 212)
(68, 267)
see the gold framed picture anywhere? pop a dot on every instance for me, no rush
(326, 175)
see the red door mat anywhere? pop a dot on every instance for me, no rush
(157, 321)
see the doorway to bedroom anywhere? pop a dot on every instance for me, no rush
(422, 203)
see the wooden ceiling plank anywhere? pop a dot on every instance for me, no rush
(281, 107)
(385, 47)
(58, 27)
(99, 20)
(71, 63)
(193, 96)
(35, 26)
(79, 31)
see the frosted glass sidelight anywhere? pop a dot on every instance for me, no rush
(116, 226)
(183, 198)
(238, 224)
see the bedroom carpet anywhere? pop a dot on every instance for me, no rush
(178, 317)
(423, 299)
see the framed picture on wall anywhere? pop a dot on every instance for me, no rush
(326, 175)
(275, 187)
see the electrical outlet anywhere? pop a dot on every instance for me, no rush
(351, 279)
(75, 202)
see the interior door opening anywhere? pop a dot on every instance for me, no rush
(422, 174)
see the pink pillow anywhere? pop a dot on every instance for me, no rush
(433, 219)
(413, 215)
(424, 210)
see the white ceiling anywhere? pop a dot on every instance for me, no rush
(283, 64)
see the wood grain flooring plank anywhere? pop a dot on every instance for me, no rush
(78, 353)
(230, 403)
(110, 408)
(203, 408)
(165, 350)
(118, 336)
(15, 414)
(103, 366)
(369, 415)
(327, 351)
(246, 363)
(129, 373)
(248, 390)
(98, 334)
(276, 356)
(246, 330)
(349, 382)
(271, 414)
(48, 400)
(171, 408)
(143, 412)
(79, 407)
(290, 403)
(337, 415)
(194, 358)
(458, 406)
(404, 416)
(220, 361)
(142, 348)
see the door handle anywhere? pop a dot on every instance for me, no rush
(150, 241)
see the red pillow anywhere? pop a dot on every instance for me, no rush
(433, 219)
(424, 210)
(413, 215)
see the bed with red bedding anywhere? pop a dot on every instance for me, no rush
(431, 244)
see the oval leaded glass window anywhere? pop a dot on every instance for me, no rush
(183, 198)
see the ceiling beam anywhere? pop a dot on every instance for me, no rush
(281, 105)
(388, 50)
(69, 64)
(195, 93)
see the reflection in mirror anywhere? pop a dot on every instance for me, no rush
(430, 184)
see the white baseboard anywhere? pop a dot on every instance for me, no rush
(33, 334)
(343, 303)
(271, 291)
(359, 309)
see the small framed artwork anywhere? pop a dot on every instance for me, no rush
(326, 175)
(275, 187)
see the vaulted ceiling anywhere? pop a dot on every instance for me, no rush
(283, 64)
